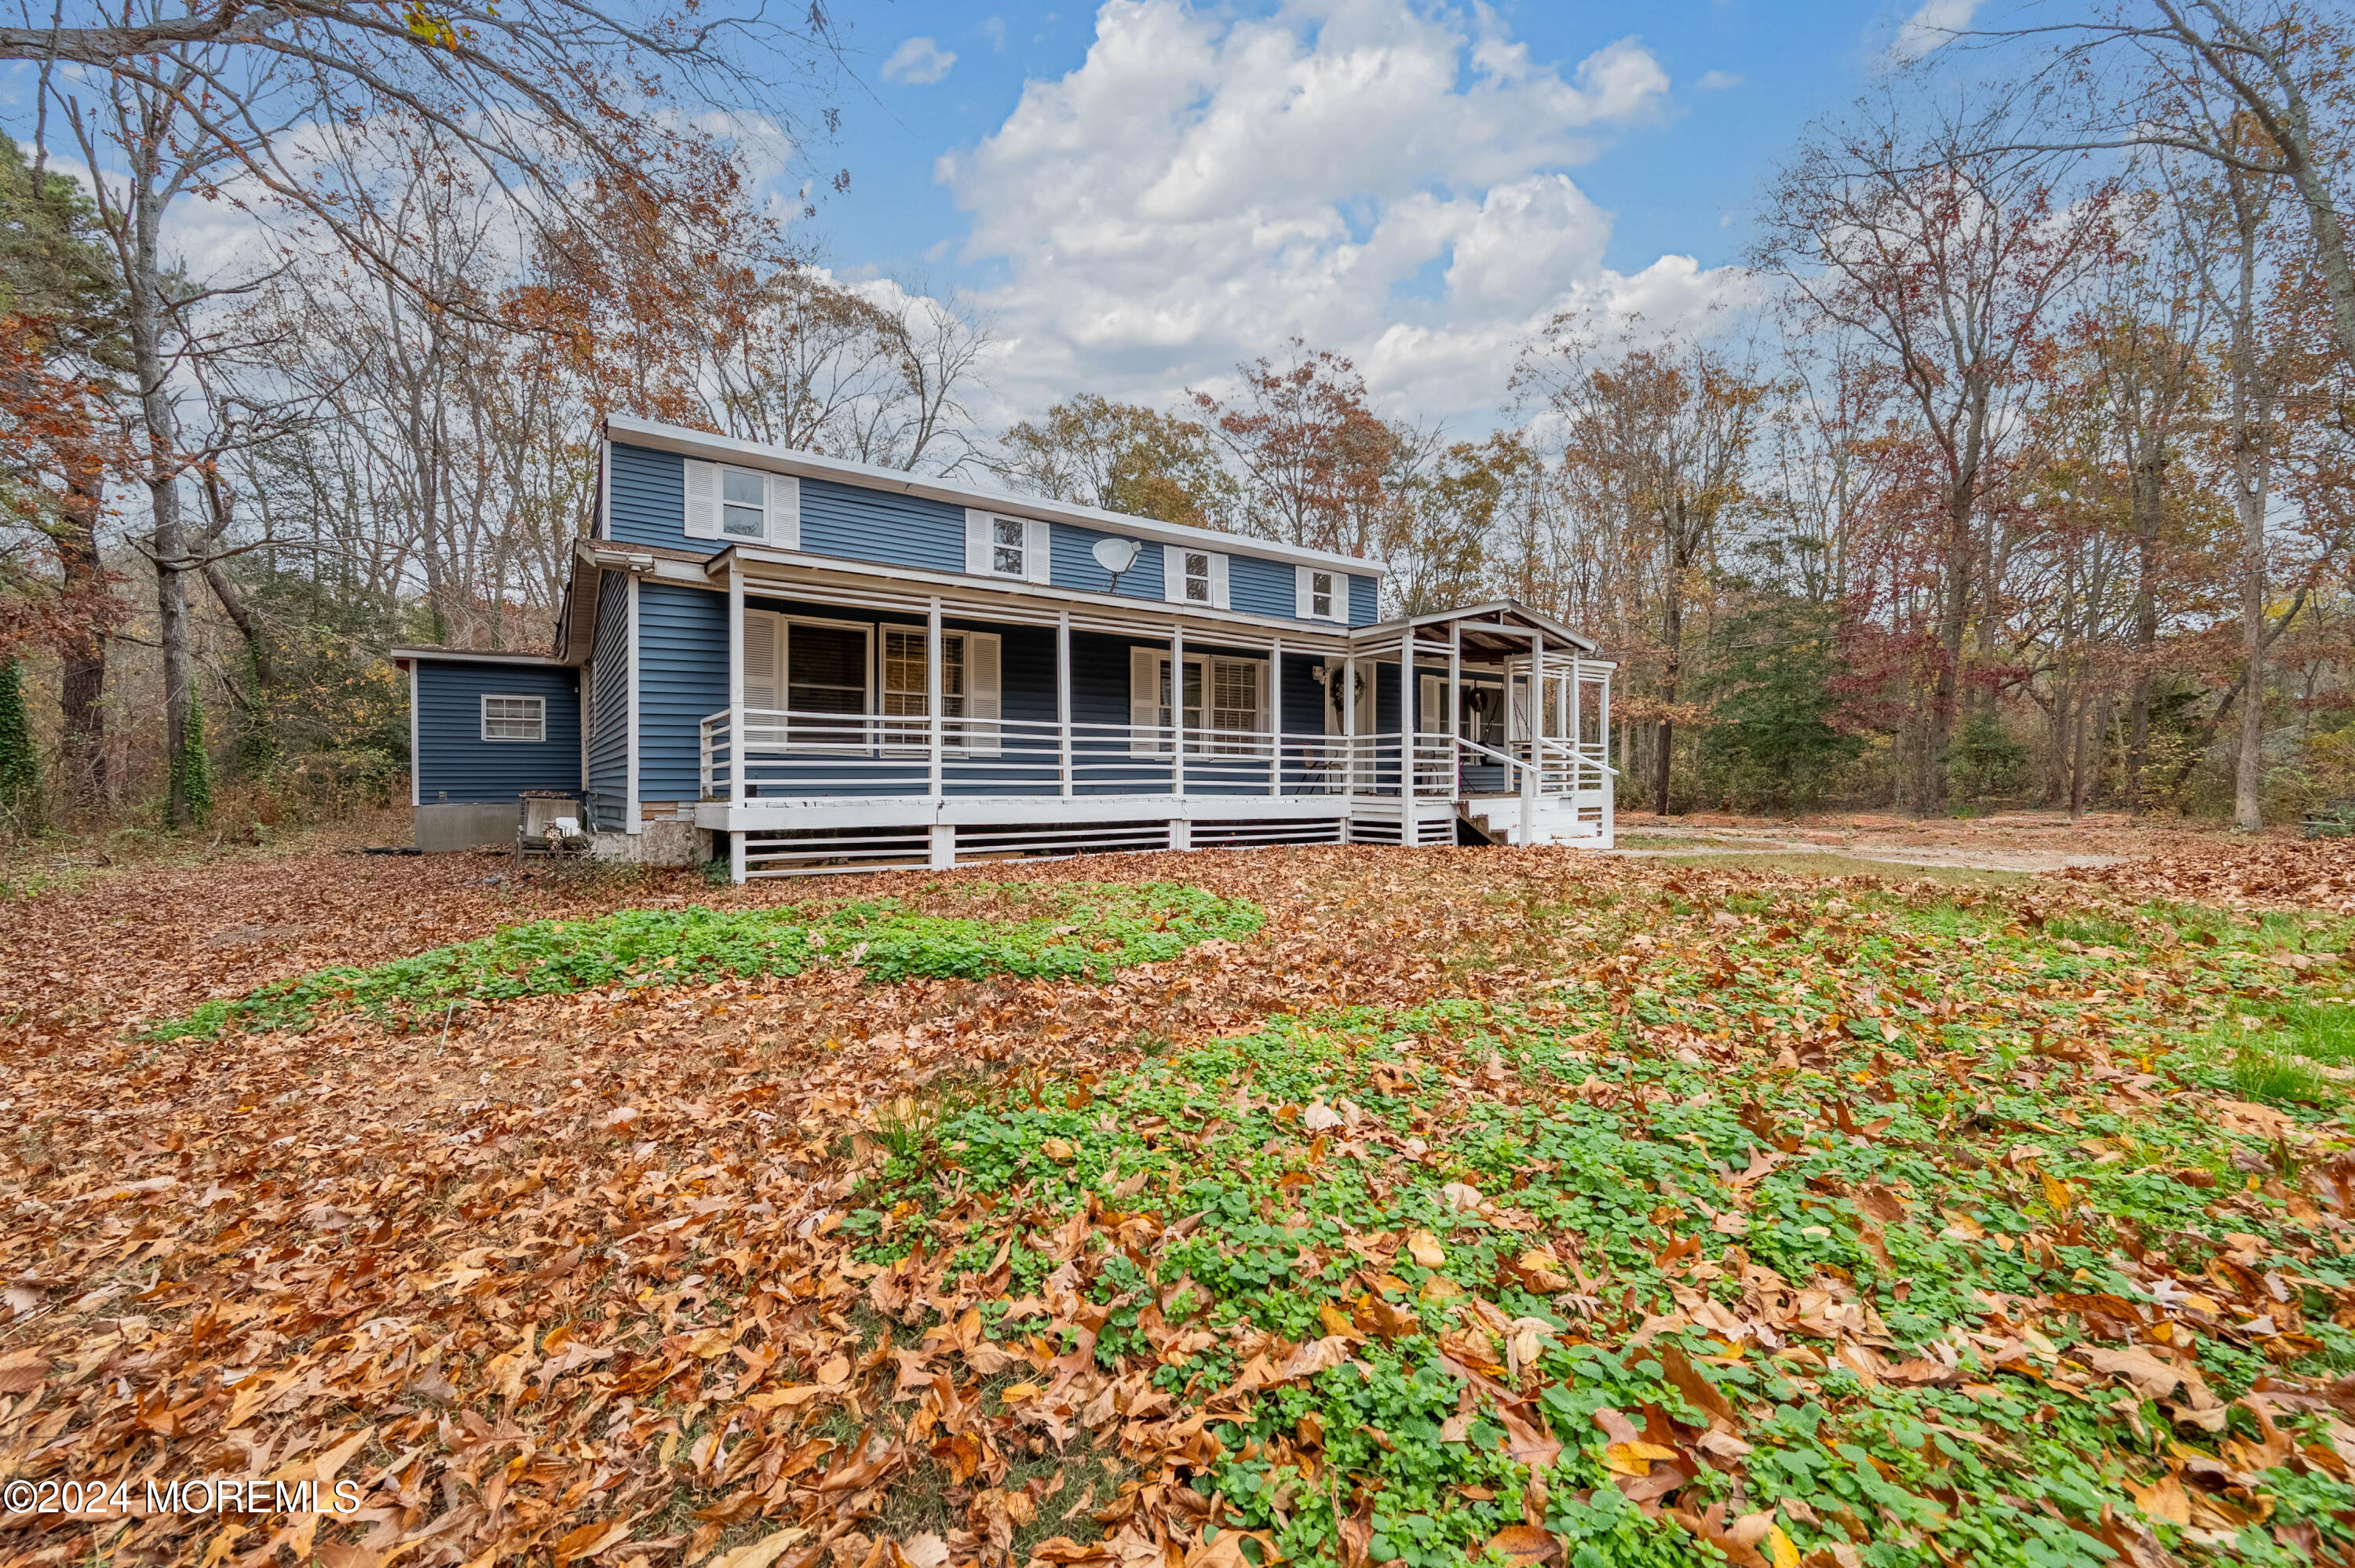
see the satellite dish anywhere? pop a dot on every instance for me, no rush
(1116, 556)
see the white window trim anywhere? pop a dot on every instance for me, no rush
(484, 712)
(861, 746)
(980, 551)
(1173, 576)
(968, 724)
(1304, 594)
(706, 505)
(1152, 665)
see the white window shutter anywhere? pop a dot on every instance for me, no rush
(1038, 552)
(702, 500)
(983, 689)
(784, 512)
(977, 541)
(1260, 718)
(1173, 574)
(1304, 593)
(1144, 702)
(1219, 582)
(760, 660)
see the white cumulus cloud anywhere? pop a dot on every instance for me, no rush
(1718, 81)
(919, 62)
(1380, 178)
(1933, 24)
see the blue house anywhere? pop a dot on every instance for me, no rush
(802, 665)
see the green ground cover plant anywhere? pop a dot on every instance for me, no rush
(1083, 930)
(1851, 1235)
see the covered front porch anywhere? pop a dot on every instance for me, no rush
(876, 723)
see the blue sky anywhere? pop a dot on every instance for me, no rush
(1137, 193)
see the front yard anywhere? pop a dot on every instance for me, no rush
(1326, 1205)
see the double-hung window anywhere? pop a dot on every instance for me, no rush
(1197, 577)
(969, 691)
(1222, 704)
(1013, 547)
(907, 695)
(1320, 594)
(1007, 556)
(745, 504)
(1190, 576)
(515, 718)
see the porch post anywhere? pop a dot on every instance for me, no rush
(1276, 719)
(1409, 833)
(1349, 724)
(933, 688)
(1561, 703)
(736, 790)
(1064, 696)
(1178, 707)
(1534, 779)
(1455, 706)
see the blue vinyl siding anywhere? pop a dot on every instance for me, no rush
(860, 523)
(1071, 550)
(453, 760)
(682, 678)
(865, 524)
(1260, 586)
(608, 700)
(649, 500)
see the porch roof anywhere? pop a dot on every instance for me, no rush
(865, 583)
(1504, 618)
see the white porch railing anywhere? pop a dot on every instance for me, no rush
(803, 754)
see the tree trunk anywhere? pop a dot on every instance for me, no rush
(81, 679)
(2248, 417)
(2149, 470)
(167, 546)
(1954, 614)
(1672, 629)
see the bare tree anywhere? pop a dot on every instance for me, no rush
(1656, 442)
(1902, 226)
(572, 102)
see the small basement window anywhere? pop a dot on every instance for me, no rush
(515, 718)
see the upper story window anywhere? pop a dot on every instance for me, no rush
(515, 718)
(1320, 594)
(1007, 556)
(743, 503)
(1193, 577)
(1197, 577)
(1014, 547)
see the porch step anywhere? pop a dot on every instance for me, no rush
(1555, 821)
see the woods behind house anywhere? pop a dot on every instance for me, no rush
(2015, 465)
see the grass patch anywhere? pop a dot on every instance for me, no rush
(2262, 1071)
(1067, 931)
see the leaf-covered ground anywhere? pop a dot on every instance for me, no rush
(1574, 1210)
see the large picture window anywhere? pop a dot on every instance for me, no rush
(515, 718)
